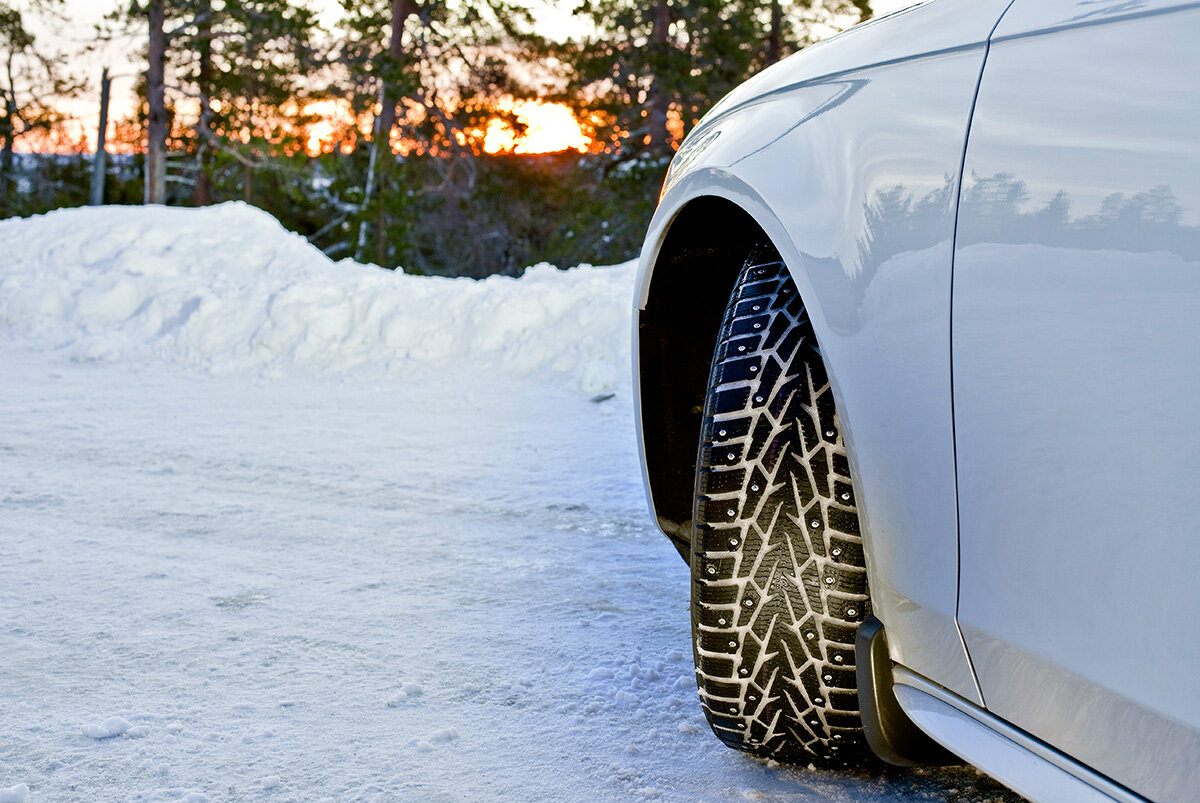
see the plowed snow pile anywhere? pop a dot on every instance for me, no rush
(273, 528)
(226, 288)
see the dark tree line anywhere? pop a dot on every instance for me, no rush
(656, 67)
(234, 89)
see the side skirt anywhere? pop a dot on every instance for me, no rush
(1020, 761)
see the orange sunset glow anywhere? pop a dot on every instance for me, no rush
(334, 123)
(541, 128)
(545, 128)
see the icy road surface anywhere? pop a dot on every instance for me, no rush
(235, 572)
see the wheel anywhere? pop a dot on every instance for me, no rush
(779, 586)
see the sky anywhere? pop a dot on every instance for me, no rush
(85, 14)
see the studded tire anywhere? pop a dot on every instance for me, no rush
(778, 580)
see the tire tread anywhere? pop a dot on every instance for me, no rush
(779, 585)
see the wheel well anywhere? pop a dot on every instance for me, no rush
(677, 331)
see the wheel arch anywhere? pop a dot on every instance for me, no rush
(685, 284)
(676, 330)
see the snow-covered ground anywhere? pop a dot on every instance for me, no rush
(277, 529)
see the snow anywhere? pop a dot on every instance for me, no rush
(14, 794)
(226, 289)
(281, 529)
(114, 726)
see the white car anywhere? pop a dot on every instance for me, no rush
(918, 345)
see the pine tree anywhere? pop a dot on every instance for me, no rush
(31, 81)
(654, 68)
(237, 71)
(429, 73)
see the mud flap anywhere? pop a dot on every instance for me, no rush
(890, 734)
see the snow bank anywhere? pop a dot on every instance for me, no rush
(226, 288)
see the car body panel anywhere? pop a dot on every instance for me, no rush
(921, 30)
(1076, 341)
(863, 215)
(1045, 16)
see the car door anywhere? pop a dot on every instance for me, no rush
(1076, 379)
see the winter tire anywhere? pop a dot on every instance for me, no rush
(778, 580)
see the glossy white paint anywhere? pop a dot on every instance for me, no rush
(923, 29)
(1041, 16)
(853, 175)
(1077, 385)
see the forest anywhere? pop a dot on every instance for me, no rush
(439, 136)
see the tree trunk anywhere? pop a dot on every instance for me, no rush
(156, 119)
(100, 160)
(385, 121)
(368, 191)
(659, 101)
(401, 11)
(381, 238)
(8, 133)
(774, 49)
(202, 196)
